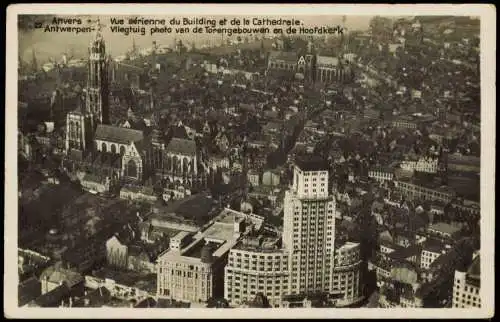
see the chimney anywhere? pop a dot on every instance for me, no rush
(86, 302)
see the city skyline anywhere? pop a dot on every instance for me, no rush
(37, 40)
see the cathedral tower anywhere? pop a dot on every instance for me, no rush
(78, 129)
(97, 102)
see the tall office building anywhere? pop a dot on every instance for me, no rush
(312, 260)
(309, 228)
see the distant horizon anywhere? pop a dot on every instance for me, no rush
(54, 45)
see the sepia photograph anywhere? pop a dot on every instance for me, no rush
(320, 161)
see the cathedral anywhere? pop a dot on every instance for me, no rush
(121, 153)
(313, 67)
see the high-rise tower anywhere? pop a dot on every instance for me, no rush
(97, 102)
(81, 123)
(309, 228)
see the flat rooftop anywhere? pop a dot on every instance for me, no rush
(220, 231)
(195, 250)
(311, 163)
(348, 245)
(228, 217)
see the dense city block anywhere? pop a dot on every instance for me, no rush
(334, 170)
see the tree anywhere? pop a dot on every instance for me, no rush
(260, 301)
(219, 303)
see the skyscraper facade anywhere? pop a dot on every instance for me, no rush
(309, 228)
(312, 259)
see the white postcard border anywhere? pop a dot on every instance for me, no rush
(487, 14)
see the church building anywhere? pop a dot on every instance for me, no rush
(127, 153)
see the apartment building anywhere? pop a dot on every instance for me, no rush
(467, 285)
(423, 164)
(256, 265)
(415, 191)
(192, 269)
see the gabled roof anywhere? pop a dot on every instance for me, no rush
(475, 268)
(58, 275)
(433, 245)
(146, 303)
(118, 239)
(139, 124)
(326, 60)
(179, 132)
(445, 227)
(96, 298)
(138, 250)
(54, 297)
(117, 134)
(182, 146)
(28, 290)
(288, 56)
(404, 253)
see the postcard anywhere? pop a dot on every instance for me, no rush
(250, 161)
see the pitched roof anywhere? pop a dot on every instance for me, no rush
(179, 132)
(433, 245)
(475, 268)
(135, 250)
(291, 57)
(182, 146)
(325, 60)
(405, 252)
(54, 297)
(122, 240)
(445, 228)
(139, 124)
(146, 303)
(57, 275)
(117, 134)
(28, 290)
(96, 298)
